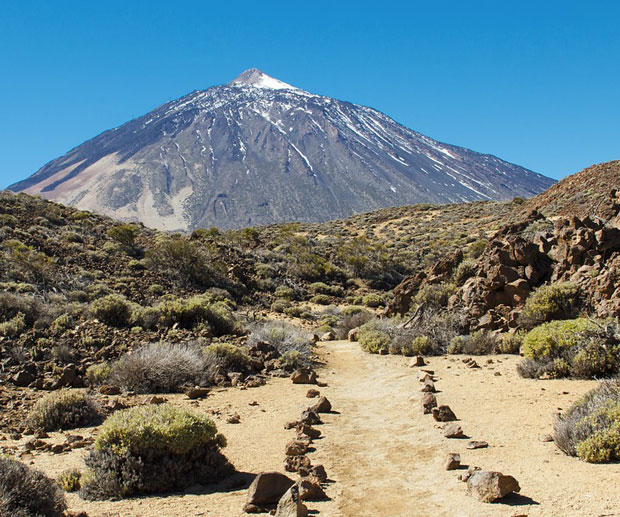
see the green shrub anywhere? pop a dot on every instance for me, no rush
(63, 409)
(125, 235)
(285, 292)
(160, 367)
(510, 343)
(421, 346)
(14, 327)
(26, 492)
(323, 288)
(480, 342)
(463, 271)
(351, 310)
(548, 339)
(320, 299)
(113, 310)
(373, 300)
(372, 339)
(550, 302)
(151, 449)
(228, 357)
(69, 480)
(435, 296)
(477, 247)
(97, 374)
(156, 289)
(590, 428)
(280, 305)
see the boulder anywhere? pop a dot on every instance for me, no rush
(477, 444)
(318, 471)
(417, 361)
(108, 389)
(196, 392)
(452, 461)
(328, 336)
(68, 375)
(290, 504)
(489, 486)
(304, 376)
(453, 431)
(322, 406)
(268, 488)
(23, 378)
(353, 334)
(428, 402)
(443, 414)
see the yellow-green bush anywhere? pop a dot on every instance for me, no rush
(162, 427)
(373, 300)
(69, 480)
(550, 302)
(372, 339)
(14, 327)
(552, 337)
(63, 409)
(603, 445)
(97, 374)
(228, 357)
(113, 310)
(285, 292)
(421, 345)
(280, 305)
(435, 295)
(320, 299)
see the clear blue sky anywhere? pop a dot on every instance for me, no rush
(535, 83)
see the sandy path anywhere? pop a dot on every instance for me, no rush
(386, 456)
(383, 454)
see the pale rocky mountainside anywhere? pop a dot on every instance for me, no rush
(259, 151)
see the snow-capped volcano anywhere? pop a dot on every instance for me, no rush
(259, 151)
(254, 77)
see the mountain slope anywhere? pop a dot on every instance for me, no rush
(259, 151)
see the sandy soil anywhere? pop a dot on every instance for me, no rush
(384, 456)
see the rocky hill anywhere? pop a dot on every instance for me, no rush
(259, 151)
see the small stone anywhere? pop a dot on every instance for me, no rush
(309, 431)
(428, 387)
(545, 437)
(477, 444)
(318, 471)
(233, 419)
(453, 431)
(491, 486)
(267, 488)
(417, 361)
(304, 376)
(466, 475)
(443, 414)
(328, 336)
(290, 504)
(297, 464)
(312, 393)
(108, 389)
(57, 449)
(310, 417)
(295, 448)
(383, 351)
(428, 402)
(497, 374)
(156, 399)
(23, 379)
(452, 461)
(322, 406)
(311, 490)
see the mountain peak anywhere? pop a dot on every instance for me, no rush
(259, 79)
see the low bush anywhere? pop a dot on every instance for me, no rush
(463, 271)
(285, 338)
(227, 357)
(350, 321)
(113, 310)
(26, 492)
(549, 339)
(97, 374)
(550, 302)
(280, 305)
(510, 343)
(572, 348)
(320, 299)
(590, 428)
(152, 449)
(69, 480)
(373, 300)
(287, 293)
(323, 288)
(480, 342)
(63, 409)
(14, 327)
(160, 368)
(435, 296)
(372, 339)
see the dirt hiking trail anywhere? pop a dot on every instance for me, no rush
(384, 456)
